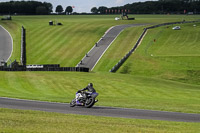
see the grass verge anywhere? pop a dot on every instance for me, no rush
(35, 121)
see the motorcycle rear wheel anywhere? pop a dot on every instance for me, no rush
(89, 102)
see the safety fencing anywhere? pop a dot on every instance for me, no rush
(119, 64)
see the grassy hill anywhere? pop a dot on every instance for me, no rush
(173, 55)
(66, 44)
(57, 44)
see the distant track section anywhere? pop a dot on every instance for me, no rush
(6, 44)
(98, 111)
(95, 54)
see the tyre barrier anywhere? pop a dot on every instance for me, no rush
(119, 64)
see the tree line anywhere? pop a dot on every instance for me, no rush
(148, 7)
(26, 7)
(31, 8)
(153, 7)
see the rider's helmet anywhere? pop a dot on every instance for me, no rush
(90, 84)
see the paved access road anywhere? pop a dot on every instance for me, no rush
(5, 44)
(102, 45)
(97, 111)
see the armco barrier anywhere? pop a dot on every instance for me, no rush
(118, 65)
(23, 47)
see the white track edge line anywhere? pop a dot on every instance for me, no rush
(97, 42)
(109, 46)
(106, 50)
(11, 40)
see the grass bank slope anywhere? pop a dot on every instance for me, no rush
(123, 43)
(67, 44)
(116, 90)
(168, 54)
(128, 38)
(35, 121)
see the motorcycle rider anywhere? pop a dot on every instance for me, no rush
(87, 90)
(85, 97)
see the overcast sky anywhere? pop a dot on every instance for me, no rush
(86, 5)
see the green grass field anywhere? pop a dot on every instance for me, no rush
(118, 90)
(34, 121)
(174, 55)
(167, 81)
(57, 44)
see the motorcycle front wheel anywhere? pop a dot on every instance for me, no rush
(73, 103)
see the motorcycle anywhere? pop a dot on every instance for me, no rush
(84, 99)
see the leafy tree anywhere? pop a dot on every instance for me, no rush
(41, 10)
(49, 7)
(68, 10)
(149, 7)
(102, 9)
(25, 7)
(94, 10)
(59, 9)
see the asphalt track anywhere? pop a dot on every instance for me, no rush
(97, 110)
(95, 54)
(5, 44)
